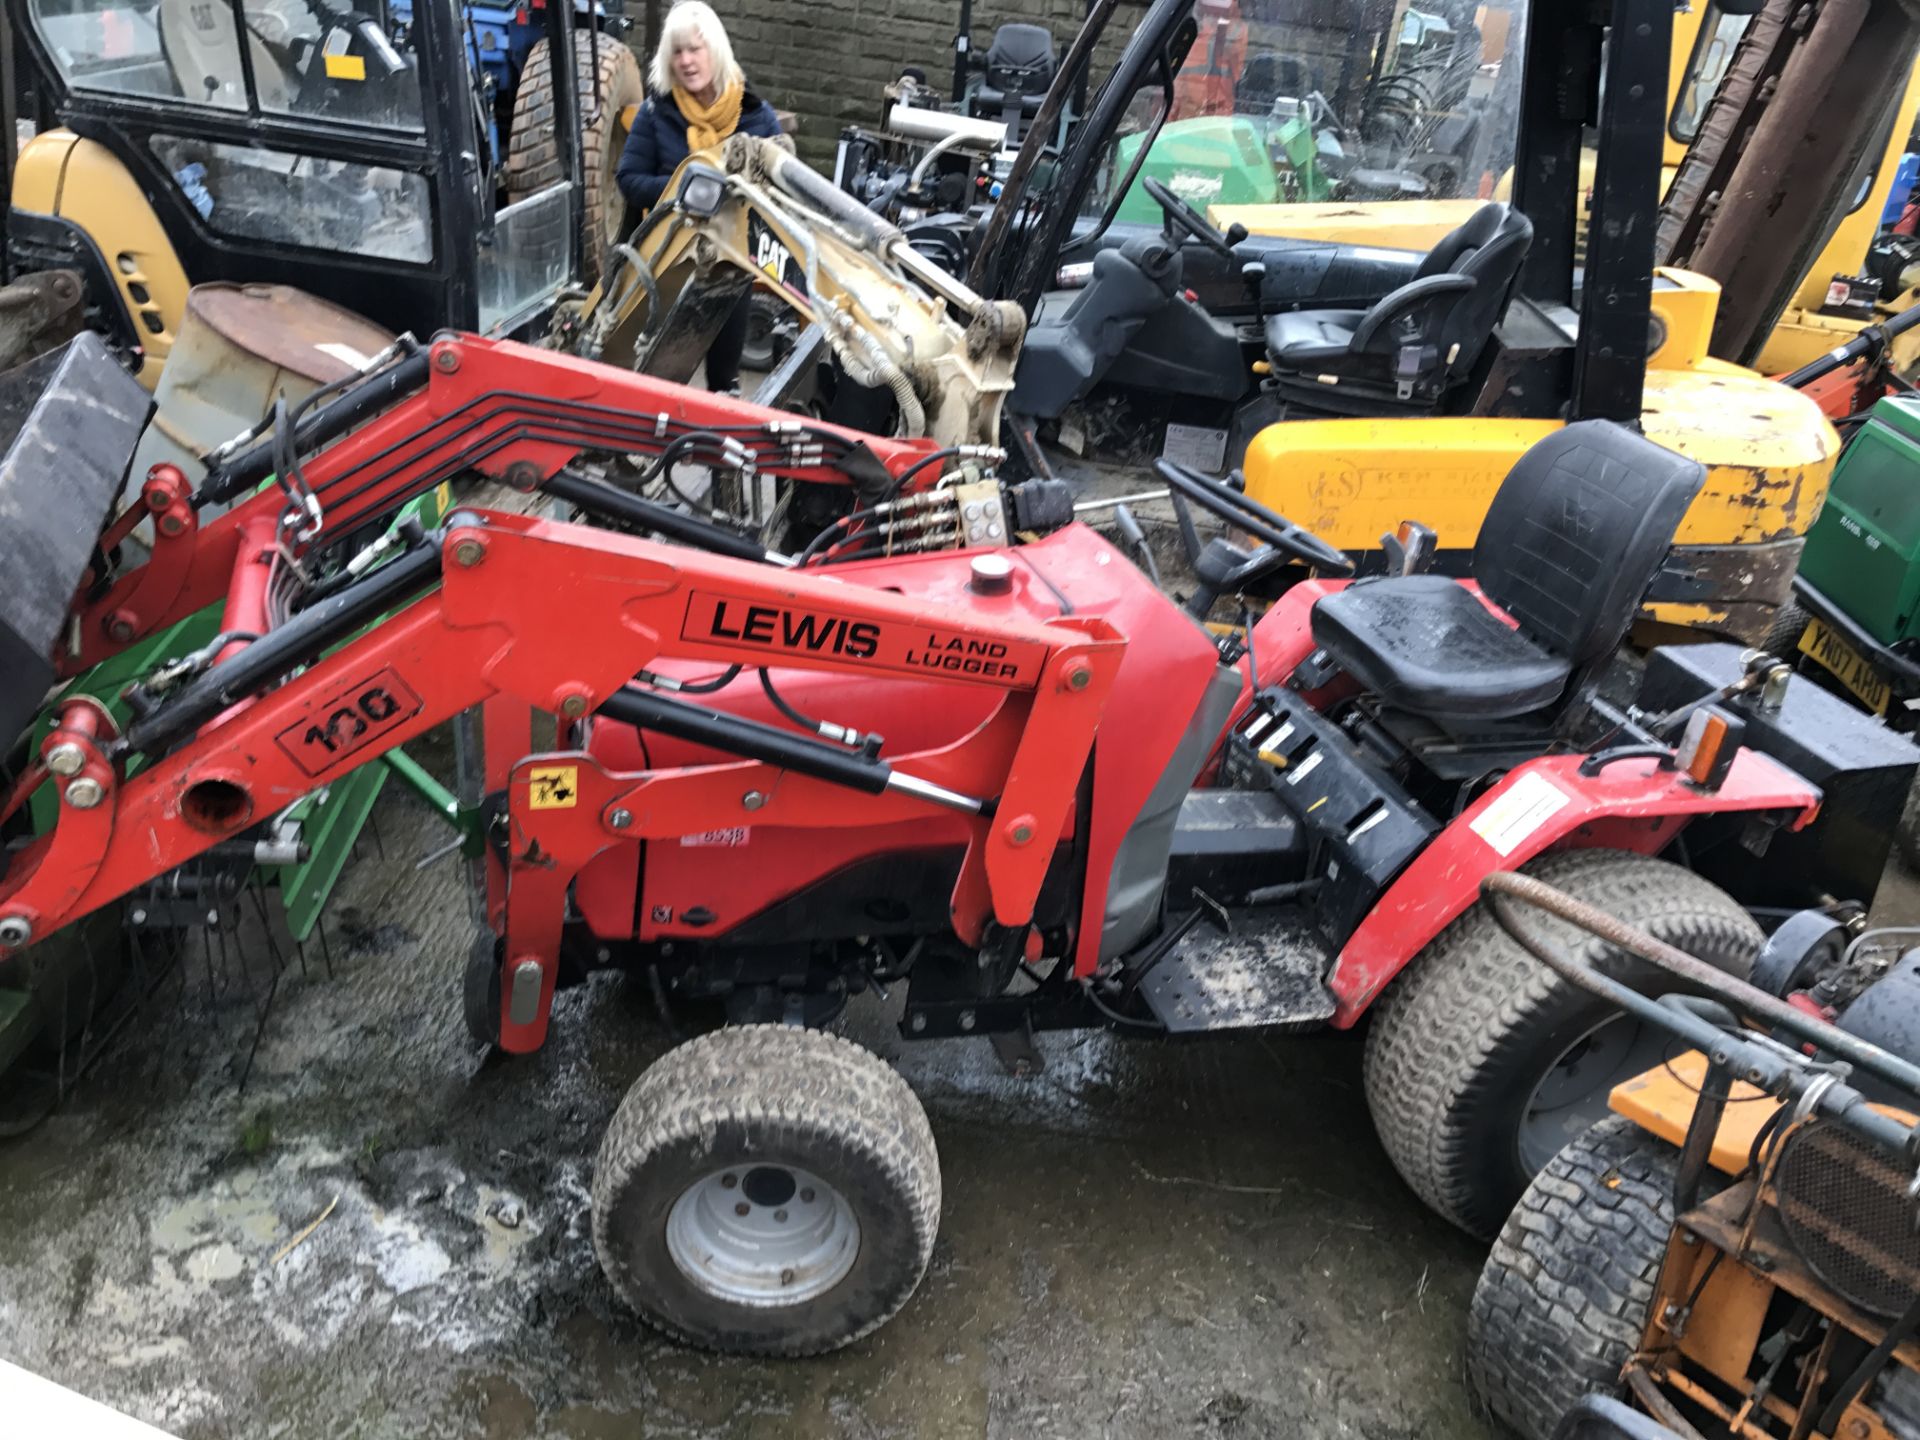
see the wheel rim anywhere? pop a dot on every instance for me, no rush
(1571, 1093)
(613, 210)
(763, 1235)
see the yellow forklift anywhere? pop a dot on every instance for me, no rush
(1334, 366)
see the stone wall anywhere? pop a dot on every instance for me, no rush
(828, 60)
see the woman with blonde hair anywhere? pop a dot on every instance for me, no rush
(698, 98)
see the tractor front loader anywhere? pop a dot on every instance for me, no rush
(940, 357)
(1735, 1252)
(1021, 783)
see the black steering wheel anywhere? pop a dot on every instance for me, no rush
(1184, 217)
(1221, 566)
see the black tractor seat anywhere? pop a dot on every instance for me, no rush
(1574, 536)
(1425, 643)
(1416, 343)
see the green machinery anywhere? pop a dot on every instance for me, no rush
(1230, 160)
(1860, 574)
(1859, 580)
(59, 1009)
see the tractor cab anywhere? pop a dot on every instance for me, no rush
(387, 156)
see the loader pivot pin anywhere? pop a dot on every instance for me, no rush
(66, 758)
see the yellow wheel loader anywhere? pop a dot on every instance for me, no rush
(364, 151)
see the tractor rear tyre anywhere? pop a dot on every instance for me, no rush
(767, 1191)
(1563, 1299)
(533, 153)
(1481, 1062)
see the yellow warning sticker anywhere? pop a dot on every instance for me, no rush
(555, 787)
(346, 67)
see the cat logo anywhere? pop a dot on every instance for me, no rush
(772, 257)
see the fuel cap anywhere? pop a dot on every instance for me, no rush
(992, 575)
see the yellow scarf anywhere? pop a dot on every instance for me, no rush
(708, 125)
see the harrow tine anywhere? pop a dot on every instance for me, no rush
(258, 891)
(326, 949)
(259, 1031)
(206, 950)
(227, 959)
(60, 1054)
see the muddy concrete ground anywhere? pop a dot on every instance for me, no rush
(1150, 1239)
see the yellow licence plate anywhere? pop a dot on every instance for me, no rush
(1821, 644)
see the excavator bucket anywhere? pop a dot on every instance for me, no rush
(69, 420)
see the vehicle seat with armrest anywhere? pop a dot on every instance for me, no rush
(1574, 536)
(1412, 345)
(1019, 67)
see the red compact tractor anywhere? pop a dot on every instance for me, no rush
(1020, 783)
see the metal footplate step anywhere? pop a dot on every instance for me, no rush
(1265, 973)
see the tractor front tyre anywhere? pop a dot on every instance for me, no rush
(765, 1190)
(480, 989)
(1563, 1299)
(1481, 1062)
(533, 153)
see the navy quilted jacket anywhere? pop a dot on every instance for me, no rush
(658, 143)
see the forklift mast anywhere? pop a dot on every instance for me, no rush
(1561, 96)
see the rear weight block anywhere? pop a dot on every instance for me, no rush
(69, 421)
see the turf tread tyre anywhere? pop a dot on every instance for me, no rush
(827, 1104)
(480, 990)
(1563, 1299)
(533, 153)
(1783, 635)
(1451, 1040)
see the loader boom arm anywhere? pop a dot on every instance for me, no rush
(561, 618)
(466, 405)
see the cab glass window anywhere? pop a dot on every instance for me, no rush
(119, 48)
(1285, 101)
(1713, 50)
(277, 196)
(305, 58)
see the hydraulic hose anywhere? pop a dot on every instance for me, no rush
(1868, 342)
(248, 466)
